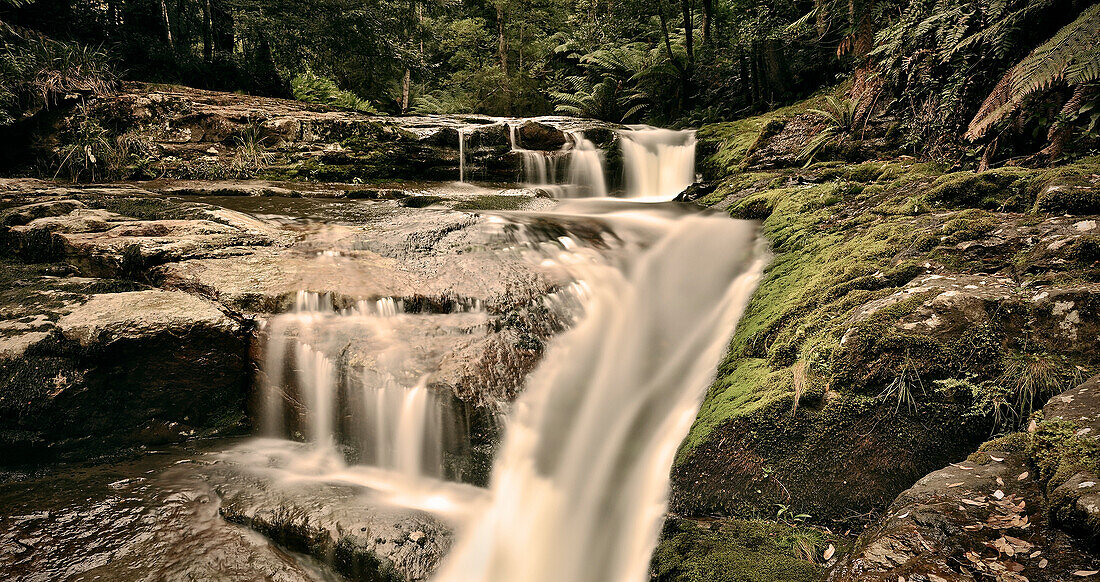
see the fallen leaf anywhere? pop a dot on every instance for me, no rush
(1035, 553)
(998, 459)
(829, 551)
(1000, 482)
(1084, 573)
(973, 502)
(1022, 476)
(1043, 563)
(954, 484)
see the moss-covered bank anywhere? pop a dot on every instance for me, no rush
(901, 321)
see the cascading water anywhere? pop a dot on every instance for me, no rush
(386, 413)
(580, 486)
(580, 483)
(658, 163)
(585, 165)
(461, 154)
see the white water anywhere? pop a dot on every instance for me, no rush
(396, 422)
(580, 486)
(461, 154)
(658, 163)
(584, 172)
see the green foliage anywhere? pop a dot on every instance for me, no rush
(941, 57)
(36, 72)
(251, 151)
(88, 151)
(842, 120)
(1071, 56)
(315, 89)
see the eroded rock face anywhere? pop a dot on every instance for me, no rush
(93, 372)
(218, 270)
(1024, 507)
(1075, 503)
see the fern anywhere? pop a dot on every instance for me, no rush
(1071, 56)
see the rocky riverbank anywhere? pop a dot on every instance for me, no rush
(911, 311)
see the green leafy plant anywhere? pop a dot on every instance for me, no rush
(842, 120)
(35, 72)
(1070, 57)
(251, 150)
(313, 88)
(89, 151)
(1030, 378)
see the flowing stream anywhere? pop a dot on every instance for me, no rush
(579, 485)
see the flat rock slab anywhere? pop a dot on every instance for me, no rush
(110, 317)
(132, 522)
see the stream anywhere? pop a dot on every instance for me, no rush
(567, 482)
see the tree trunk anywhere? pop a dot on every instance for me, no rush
(746, 81)
(689, 32)
(406, 85)
(207, 32)
(502, 46)
(167, 23)
(708, 17)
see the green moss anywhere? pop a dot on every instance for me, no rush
(1058, 452)
(969, 224)
(1000, 189)
(420, 201)
(725, 145)
(737, 551)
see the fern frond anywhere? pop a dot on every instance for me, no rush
(1071, 55)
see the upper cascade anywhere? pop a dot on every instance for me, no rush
(658, 163)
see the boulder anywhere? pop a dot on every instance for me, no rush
(981, 519)
(121, 369)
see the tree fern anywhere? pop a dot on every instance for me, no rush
(1071, 56)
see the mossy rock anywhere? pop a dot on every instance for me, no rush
(1069, 199)
(1000, 189)
(737, 551)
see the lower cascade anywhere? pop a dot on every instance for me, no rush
(580, 486)
(384, 413)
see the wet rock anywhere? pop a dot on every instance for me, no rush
(359, 536)
(130, 522)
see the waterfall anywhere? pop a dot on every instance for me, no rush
(461, 154)
(580, 485)
(586, 173)
(658, 163)
(393, 421)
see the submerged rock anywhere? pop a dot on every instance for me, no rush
(360, 537)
